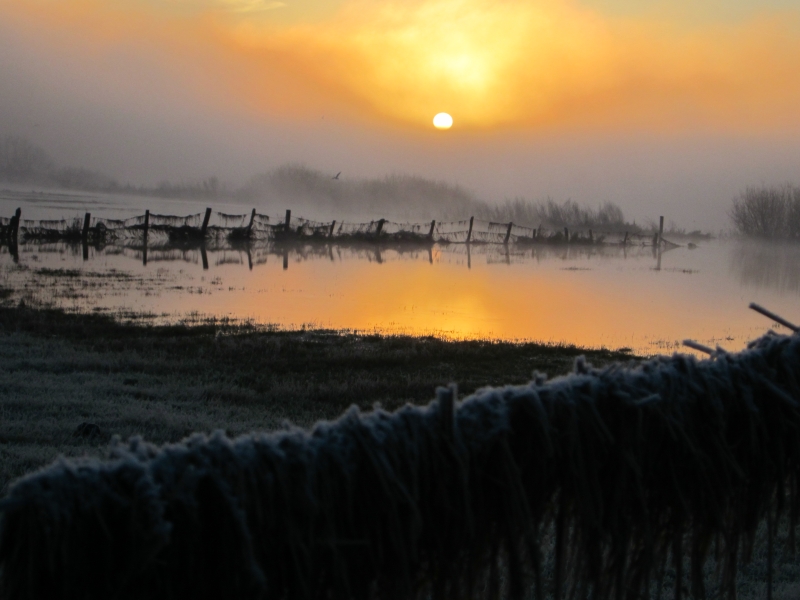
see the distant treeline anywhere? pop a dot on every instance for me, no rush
(301, 188)
(768, 212)
(406, 196)
(23, 162)
(422, 198)
(607, 216)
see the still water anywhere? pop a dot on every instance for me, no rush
(599, 296)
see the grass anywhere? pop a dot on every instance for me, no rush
(165, 382)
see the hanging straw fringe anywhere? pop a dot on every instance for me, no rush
(629, 467)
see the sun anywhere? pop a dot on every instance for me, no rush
(443, 121)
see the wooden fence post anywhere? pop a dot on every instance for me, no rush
(86, 220)
(430, 233)
(205, 222)
(660, 230)
(566, 234)
(250, 225)
(380, 227)
(146, 229)
(625, 241)
(469, 233)
(13, 227)
(288, 220)
(333, 226)
(591, 237)
(508, 233)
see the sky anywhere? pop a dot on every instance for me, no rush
(662, 107)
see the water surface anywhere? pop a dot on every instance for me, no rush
(588, 296)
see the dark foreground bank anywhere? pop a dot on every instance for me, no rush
(672, 477)
(59, 371)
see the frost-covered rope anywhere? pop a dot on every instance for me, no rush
(628, 466)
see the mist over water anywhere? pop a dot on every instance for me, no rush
(767, 265)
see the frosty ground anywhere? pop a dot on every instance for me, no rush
(60, 370)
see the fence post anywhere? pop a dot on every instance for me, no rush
(205, 222)
(86, 220)
(333, 226)
(469, 233)
(660, 230)
(433, 226)
(566, 234)
(591, 237)
(13, 226)
(288, 220)
(508, 233)
(625, 241)
(250, 225)
(146, 229)
(380, 227)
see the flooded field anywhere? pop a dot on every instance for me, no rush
(597, 297)
(594, 296)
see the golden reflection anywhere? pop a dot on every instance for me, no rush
(603, 297)
(516, 301)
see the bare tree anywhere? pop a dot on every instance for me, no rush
(768, 212)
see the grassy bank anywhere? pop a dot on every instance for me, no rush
(165, 382)
(58, 370)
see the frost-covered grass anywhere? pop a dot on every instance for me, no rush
(58, 370)
(604, 474)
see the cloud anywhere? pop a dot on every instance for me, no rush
(507, 64)
(251, 6)
(542, 65)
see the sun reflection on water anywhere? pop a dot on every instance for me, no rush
(588, 297)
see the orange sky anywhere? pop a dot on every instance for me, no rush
(553, 64)
(662, 107)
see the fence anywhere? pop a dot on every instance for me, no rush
(218, 227)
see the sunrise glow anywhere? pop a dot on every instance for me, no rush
(508, 64)
(443, 121)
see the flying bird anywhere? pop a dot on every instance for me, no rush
(337, 175)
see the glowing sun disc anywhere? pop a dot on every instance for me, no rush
(443, 121)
